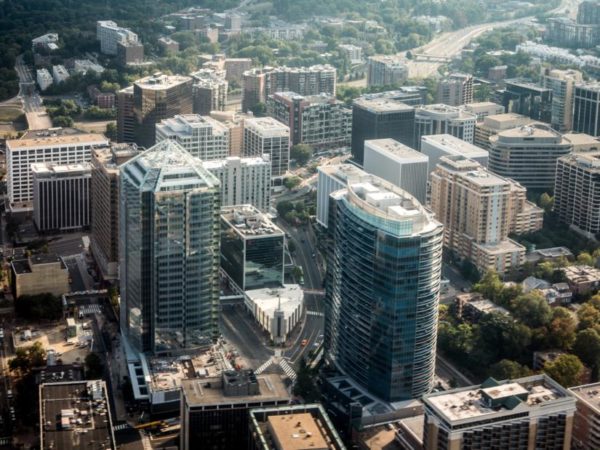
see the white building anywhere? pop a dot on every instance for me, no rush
(444, 119)
(438, 145)
(110, 34)
(61, 196)
(60, 146)
(243, 180)
(44, 79)
(60, 74)
(353, 52)
(398, 164)
(277, 310)
(267, 135)
(85, 65)
(202, 136)
(47, 41)
(333, 178)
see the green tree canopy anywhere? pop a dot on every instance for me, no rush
(301, 153)
(587, 347)
(532, 309)
(507, 369)
(566, 370)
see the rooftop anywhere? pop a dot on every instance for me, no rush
(389, 60)
(444, 111)
(505, 121)
(529, 131)
(160, 81)
(298, 431)
(75, 415)
(267, 126)
(343, 172)
(56, 136)
(286, 298)
(249, 222)
(583, 141)
(396, 150)
(589, 394)
(50, 169)
(25, 265)
(184, 125)
(382, 104)
(233, 160)
(455, 145)
(502, 247)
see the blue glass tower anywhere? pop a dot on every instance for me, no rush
(382, 290)
(169, 250)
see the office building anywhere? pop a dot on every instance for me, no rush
(60, 74)
(586, 425)
(588, 12)
(293, 428)
(61, 196)
(444, 119)
(493, 124)
(104, 190)
(202, 136)
(382, 290)
(215, 410)
(409, 95)
(251, 248)
(455, 90)
(234, 121)
(57, 145)
(528, 155)
(209, 91)
(317, 120)
(483, 109)
(380, 118)
(259, 84)
(38, 274)
(265, 135)
(332, 178)
(400, 165)
(386, 71)
(75, 414)
(528, 99)
(479, 210)
(110, 35)
(562, 83)
(130, 52)
(526, 413)
(577, 192)
(565, 32)
(582, 142)
(125, 116)
(168, 250)
(44, 79)
(155, 98)
(586, 109)
(438, 145)
(243, 180)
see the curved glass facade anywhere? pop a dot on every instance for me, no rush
(382, 296)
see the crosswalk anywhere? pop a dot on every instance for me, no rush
(86, 310)
(264, 366)
(314, 313)
(121, 426)
(289, 371)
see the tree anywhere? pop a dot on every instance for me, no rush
(259, 110)
(39, 307)
(546, 202)
(507, 369)
(111, 131)
(94, 367)
(587, 347)
(490, 286)
(301, 153)
(588, 316)
(566, 370)
(585, 259)
(532, 309)
(292, 182)
(561, 330)
(500, 337)
(62, 121)
(27, 358)
(284, 207)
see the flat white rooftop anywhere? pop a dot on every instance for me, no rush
(395, 150)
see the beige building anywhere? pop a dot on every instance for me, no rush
(495, 123)
(582, 142)
(562, 83)
(586, 427)
(39, 274)
(104, 238)
(479, 210)
(527, 414)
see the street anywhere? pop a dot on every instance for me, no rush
(37, 118)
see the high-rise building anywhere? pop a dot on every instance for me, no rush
(265, 135)
(528, 99)
(586, 425)
(588, 13)
(586, 109)
(104, 192)
(202, 136)
(483, 109)
(259, 84)
(57, 145)
(385, 70)
(277, 428)
(214, 410)
(155, 98)
(577, 192)
(353, 52)
(235, 68)
(169, 250)
(455, 90)
(130, 53)
(400, 165)
(125, 115)
(479, 210)
(61, 196)
(438, 145)
(243, 180)
(528, 155)
(409, 95)
(382, 289)
(234, 121)
(565, 32)
(492, 125)
(332, 178)
(252, 248)
(562, 83)
(380, 118)
(444, 119)
(317, 120)
(209, 91)
(110, 35)
(527, 413)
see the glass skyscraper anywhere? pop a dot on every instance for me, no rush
(169, 250)
(382, 289)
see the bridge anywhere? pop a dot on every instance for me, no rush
(430, 58)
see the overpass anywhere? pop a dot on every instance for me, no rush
(430, 58)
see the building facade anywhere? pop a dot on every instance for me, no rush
(202, 136)
(386, 71)
(109, 34)
(265, 135)
(382, 289)
(125, 115)
(586, 426)
(209, 91)
(169, 250)
(562, 83)
(444, 119)
(438, 145)
(528, 99)
(455, 90)
(492, 125)
(586, 110)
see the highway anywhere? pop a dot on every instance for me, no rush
(37, 118)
